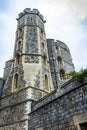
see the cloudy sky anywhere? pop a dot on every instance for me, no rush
(66, 20)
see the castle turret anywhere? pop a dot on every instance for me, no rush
(60, 61)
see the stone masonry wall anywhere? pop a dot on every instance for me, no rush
(7, 68)
(2, 81)
(13, 110)
(58, 109)
(55, 66)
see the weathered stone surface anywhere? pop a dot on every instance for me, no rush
(7, 68)
(2, 82)
(56, 112)
(35, 64)
(63, 52)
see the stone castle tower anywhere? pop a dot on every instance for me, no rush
(60, 61)
(30, 65)
(37, 68)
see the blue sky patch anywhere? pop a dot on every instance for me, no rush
(84, 22)
(4, 5)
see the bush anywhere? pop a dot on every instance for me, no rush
(79, 76)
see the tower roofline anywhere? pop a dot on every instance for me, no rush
(62, 44)
(31, 11)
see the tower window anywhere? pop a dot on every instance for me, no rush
(45, 60)
(57, 49)
(15, 84)
(46, 83)
(59, 61)
(42, 32)
(17, 60)
(19, 44)
(42, 45)
(19, 31)
(62, 74)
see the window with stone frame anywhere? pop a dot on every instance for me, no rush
(57, 49)
(46, 83)
(62, 74)
(17, 60)
(45, 60)
(19, 45)
(42, 45)
(15, 82)
(59, 60)
(19, 32)
(42, 32)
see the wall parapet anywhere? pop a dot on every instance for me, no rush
(61, 110)
(67, 87)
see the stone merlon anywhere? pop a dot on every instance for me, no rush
(29, 11)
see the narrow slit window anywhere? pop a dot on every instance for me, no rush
(19, 44)
(45, 60)
(46, 83)
(15, 85)
(42, 45)
(17, 60)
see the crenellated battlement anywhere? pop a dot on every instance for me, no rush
(31, 11)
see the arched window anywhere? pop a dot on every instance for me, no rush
(59, 60)
(45, 60)
(17, 59)
(19, 44)
(42, 32)
(15, 83)
(46, 83)
(42, 45)
(57, 49)
(62, 74)
(19, 31)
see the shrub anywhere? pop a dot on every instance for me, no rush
(79, 76)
